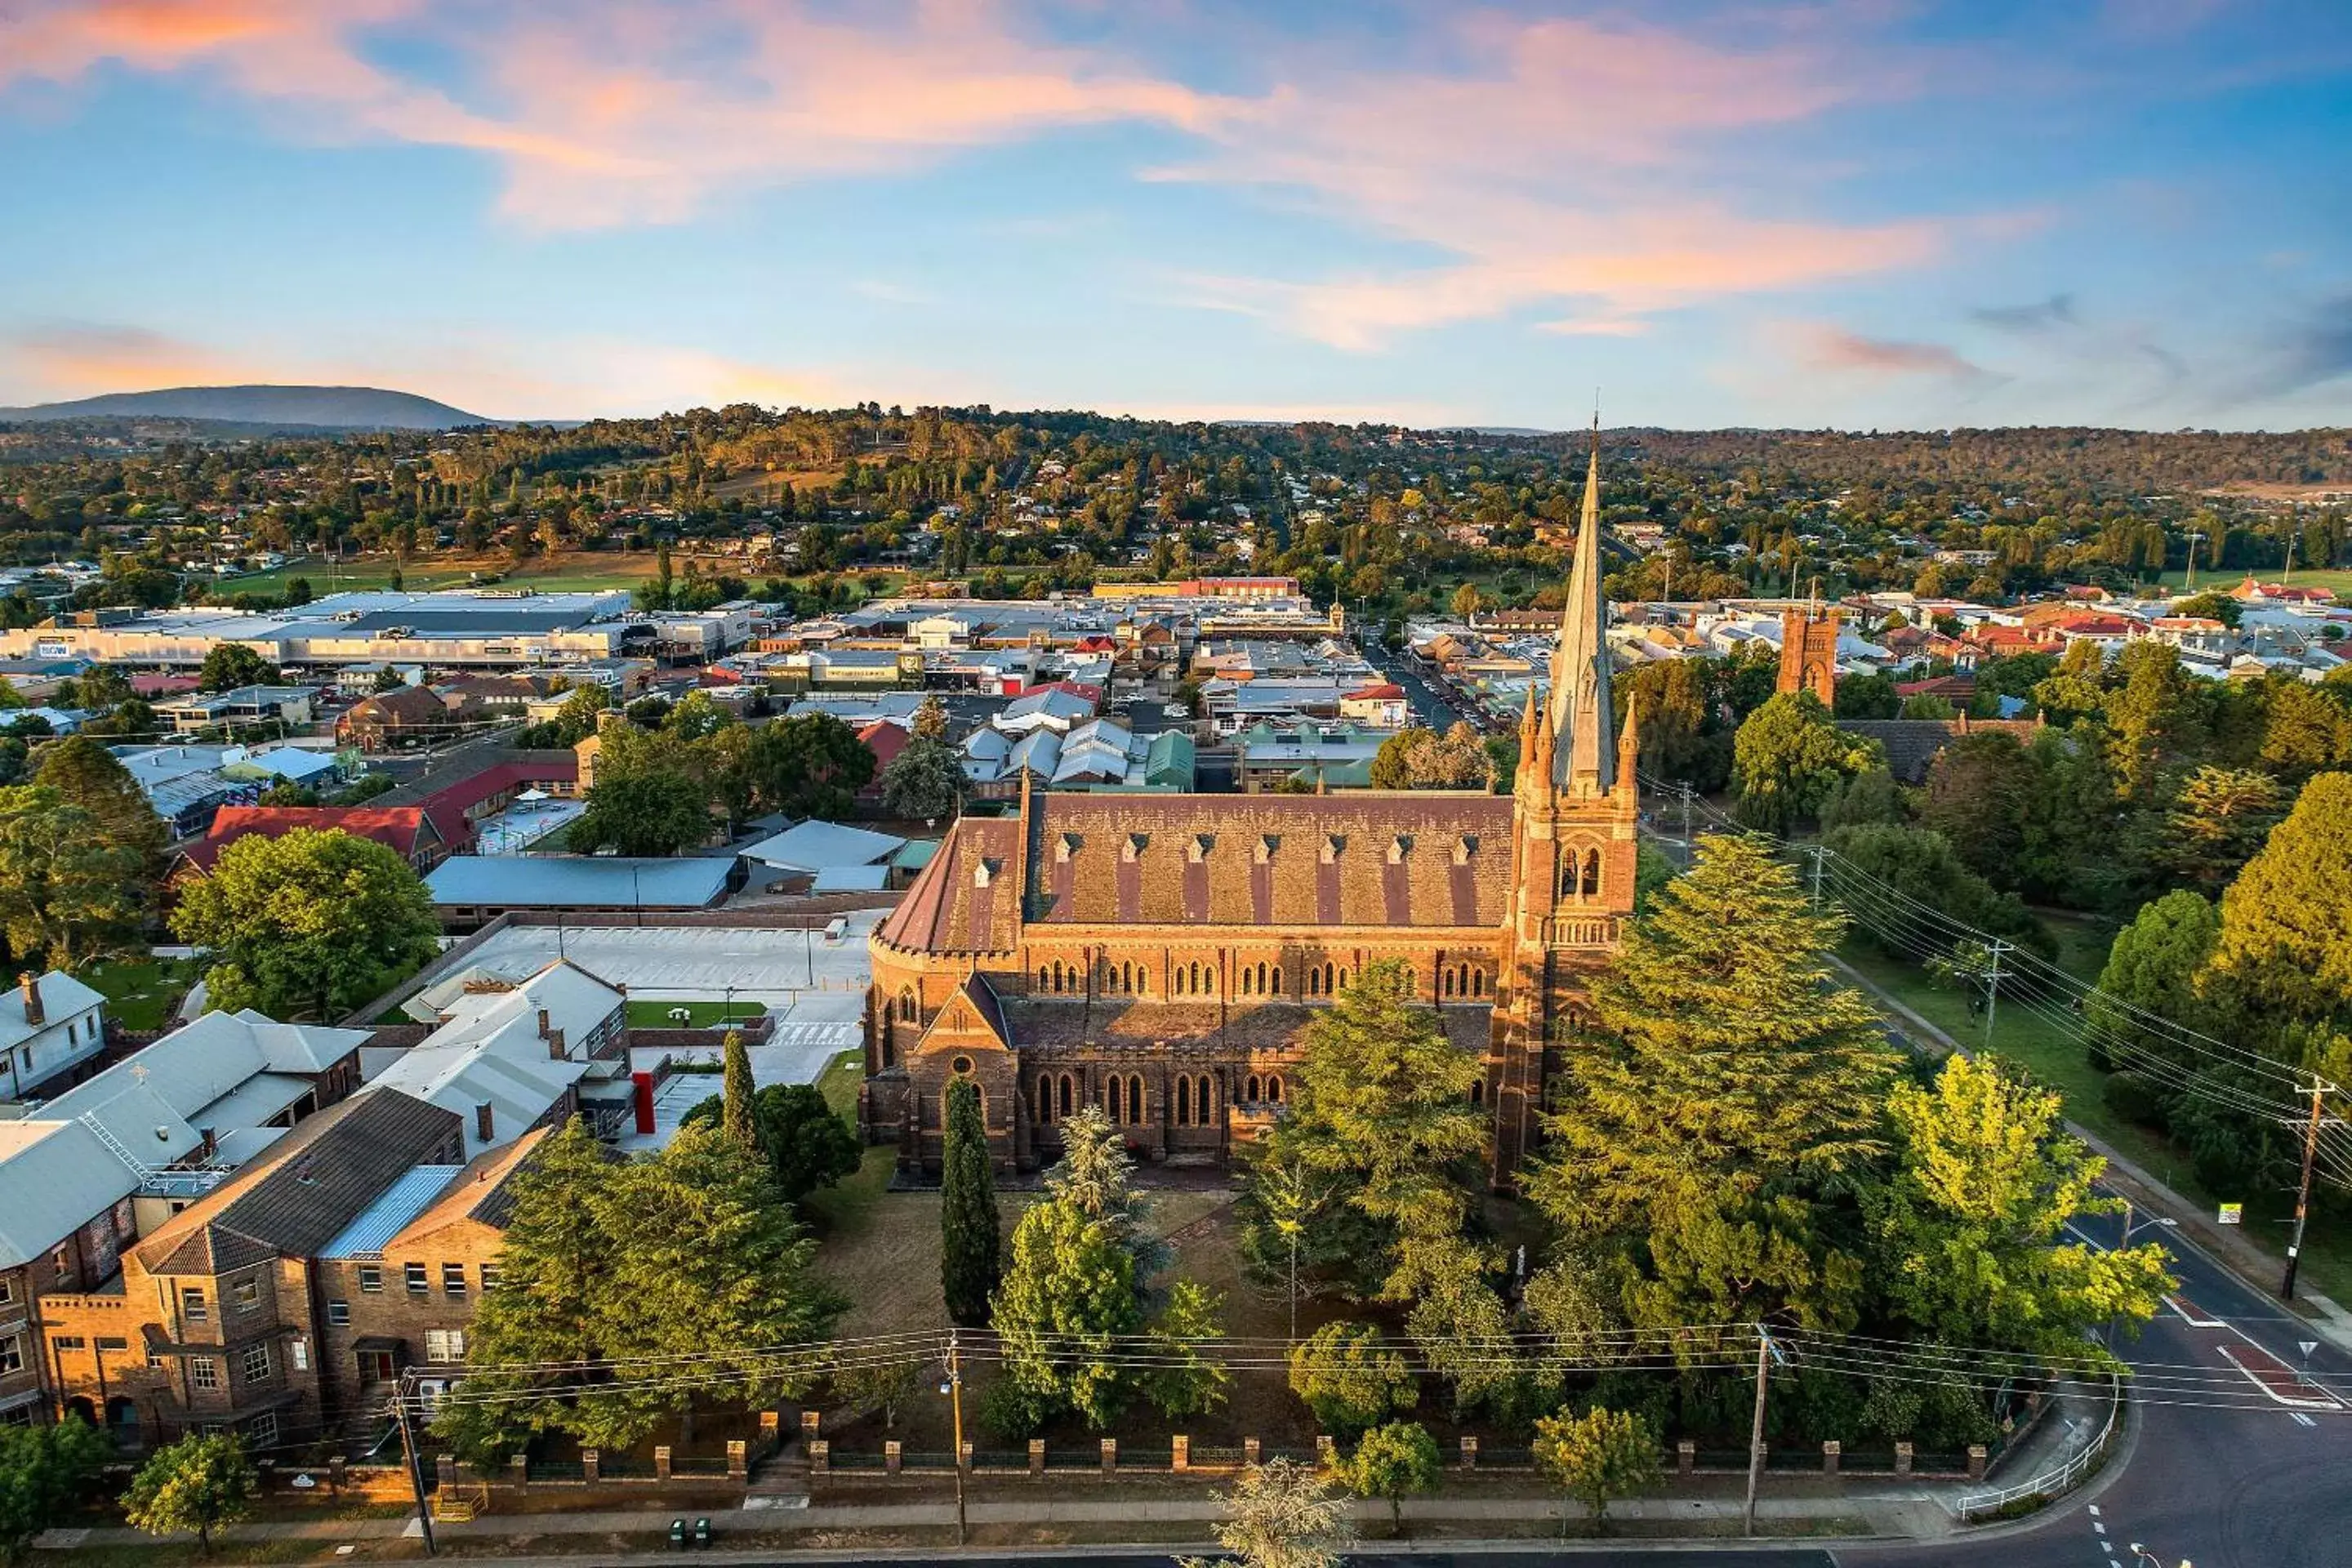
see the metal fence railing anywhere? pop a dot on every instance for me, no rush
(1991, 1503)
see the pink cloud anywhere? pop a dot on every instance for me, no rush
(76, 359)
(1835, 349)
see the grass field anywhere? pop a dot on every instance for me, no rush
(702, 1015)
(577, 571)
(838, 1083)
(2338, 581)
(141, 992)
(2055, 1055)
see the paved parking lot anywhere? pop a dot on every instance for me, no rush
(798, 973)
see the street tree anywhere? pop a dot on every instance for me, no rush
(1971, 1230)
(197, 1484)
(1349, 1378)
(1280, 1514)
(813, 765)
(1598, 1457)
(85, 773)
(228, 666)
(924, 782)
(738, 1092)
(307, 923)
(2284, 958)
(969, 1229)
(2216, 823)
(1395, 1461)
(1185, 1380)
(45, 1471)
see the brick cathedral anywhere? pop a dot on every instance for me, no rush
(1161, 956)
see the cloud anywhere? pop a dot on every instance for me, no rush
(2040, 316)
(2309, 352)
(58, 360)
(1835, 349)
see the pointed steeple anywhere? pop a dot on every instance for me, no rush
(1583, 745)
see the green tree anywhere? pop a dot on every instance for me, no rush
(1722, 1083)
(1970, 1231)
(1978, 794)
(1920, 865)
(813, 765)
(807, 1146)
(925, 780)
(1788, 757)
(197, 1484)
(1068, 1299)
(1422, 759)
(697, 718)
(66, 896)
(1280, 1514)
(1598, 1457)
(1183, 1381)
(45, 1471)
(1381, 1111)
(2285, 953)
(738, 1112)
(2154, 971)
(642, 815)
(1350, 1378)
(85, 773)
(1867, 798)
(307, 923)
(1868, 695)
(969, 1229)
(1395, 1461)
(2216, 821)
(228, 666)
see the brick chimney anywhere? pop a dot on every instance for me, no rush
(483, 1122)
(555, 1044)
(543, 1023)
(33, 1013)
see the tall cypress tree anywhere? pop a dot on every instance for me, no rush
(970, 1234)
(737, 1090)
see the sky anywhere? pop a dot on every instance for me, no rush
(1868, 214)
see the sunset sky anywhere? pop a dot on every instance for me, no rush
(1863, 213)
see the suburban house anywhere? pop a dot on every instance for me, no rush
(212, 1323)
(51, 1026)
(293, 705)
(404, 720)
(404, 828)
(458, 801)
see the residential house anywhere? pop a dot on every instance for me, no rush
(406, 720)
(404, 828)
(52, 1027)
(291, 706)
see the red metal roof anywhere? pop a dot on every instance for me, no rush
(395, 826)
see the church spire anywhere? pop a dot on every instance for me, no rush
(1582, 723)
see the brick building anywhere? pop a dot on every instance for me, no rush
(214, 1320)
(1161, 956)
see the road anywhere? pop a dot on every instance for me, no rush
(2217, 1474)
(1432, 705)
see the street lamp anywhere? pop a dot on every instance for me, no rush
(727, 1016)
(2141, 1555)
(952, 1386)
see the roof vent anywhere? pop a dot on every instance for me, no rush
(1332, 844)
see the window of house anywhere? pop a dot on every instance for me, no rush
(69, 1341)
(73, 1032)
(338, 1313)
(62, 1260)
(445, 1344)
(453, 1278)
(192, 1305)
(112, 1343)
(298, 1351)
(490, 1277)
(20, 1416)
(370, 1278)
(262, 1430)
(249, 1293)
(257, 1362)
(415, 1276)
(12, 1354)
(204, 1371)
(7, 1290)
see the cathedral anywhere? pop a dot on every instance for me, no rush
(1161, 956)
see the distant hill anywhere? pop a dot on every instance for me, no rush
(283, 407)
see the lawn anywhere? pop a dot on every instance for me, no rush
(700, 1015)
(839, 1083)
(2337, 581)
(141, 992)
(570, 573)
(2057, 1057)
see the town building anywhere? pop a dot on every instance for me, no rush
(52, 1028)
(405, 829)
(1162, 956)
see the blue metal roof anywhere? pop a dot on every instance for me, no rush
(382, 1219)
(688, 881)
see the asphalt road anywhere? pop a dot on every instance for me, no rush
(2218, 1475)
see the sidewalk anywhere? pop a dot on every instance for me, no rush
(2226, 1245)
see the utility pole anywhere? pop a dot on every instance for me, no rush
(1819, 854)
(955, 1411)
(1765, 1351)
(1683, 790)
(415, 1467)
(2320, 1088)
(1993, 977)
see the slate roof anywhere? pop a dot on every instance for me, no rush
(322, 1176)
(1912, 744)
(1125, 1022)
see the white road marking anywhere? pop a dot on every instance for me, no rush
(2097, 1526)
(2299, 1415)
(2095, 1510)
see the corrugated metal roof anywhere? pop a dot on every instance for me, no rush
(382, 1219)
(813, 846)
(598, 882)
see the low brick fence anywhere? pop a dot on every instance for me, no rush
(755, 1030)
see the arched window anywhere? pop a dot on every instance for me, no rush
(1245, 979)
(1135, 1099)
(1478, 1092)
(1253, 1089)
(907, 1008)
(1274, 1089)
(1044, 1097)
(1591, 887)
(1478, 983)
(1045, 978)
(1446, 989)
(1114, 1102)
(1183, 1101)
(1343, 982)
(1067, 1085)
(1201, 1100)
(1277, 978)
